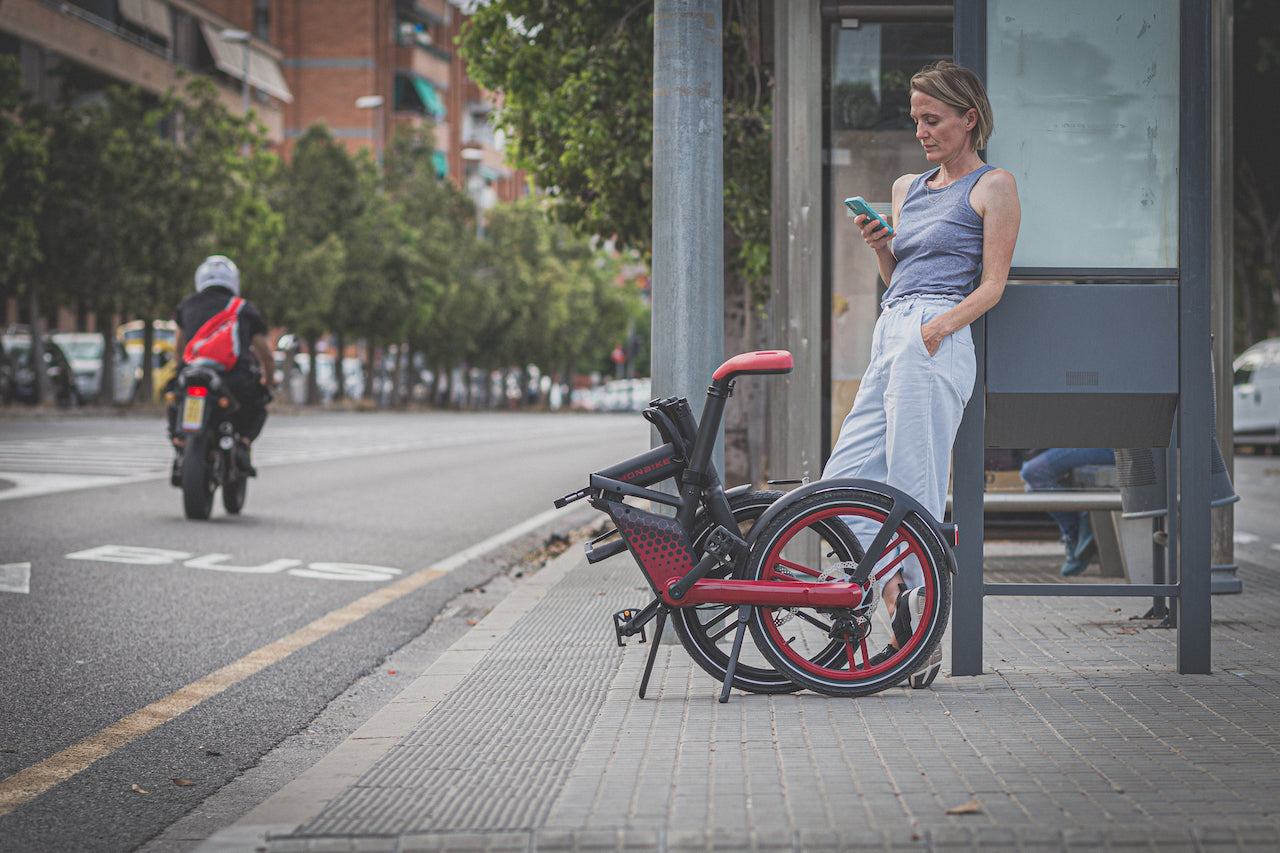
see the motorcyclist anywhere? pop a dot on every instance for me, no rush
(217, 282)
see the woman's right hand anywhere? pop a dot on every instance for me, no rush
(875, 234)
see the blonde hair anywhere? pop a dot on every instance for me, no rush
(961, 89)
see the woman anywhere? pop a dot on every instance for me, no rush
(950, 224)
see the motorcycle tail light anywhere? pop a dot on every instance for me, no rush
(197, 391)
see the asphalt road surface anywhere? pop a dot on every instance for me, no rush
(146, 661)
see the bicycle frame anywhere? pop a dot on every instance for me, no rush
(662, 545)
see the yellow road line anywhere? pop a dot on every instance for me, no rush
(25, 785)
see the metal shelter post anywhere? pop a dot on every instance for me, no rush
(1195, 396)
(796, 242)
(967, 478)
(688, 198)
(1118, 386)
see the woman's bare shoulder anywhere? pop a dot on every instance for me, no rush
(997, 187)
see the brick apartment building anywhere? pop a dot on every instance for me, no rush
(362, 67)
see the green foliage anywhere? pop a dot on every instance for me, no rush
(557, 297)
(23, 161)
(113, 204)
(1257, 186)
(317, 197)
(576, 79)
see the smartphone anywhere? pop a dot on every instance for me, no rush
(858, 205)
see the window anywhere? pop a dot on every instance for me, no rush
(1085, 97)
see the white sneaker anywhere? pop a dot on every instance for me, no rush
(925, 675)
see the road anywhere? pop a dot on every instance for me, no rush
(149, 660)
(143, 652)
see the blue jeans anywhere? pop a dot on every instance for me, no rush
(1049, 470)
(907, 412)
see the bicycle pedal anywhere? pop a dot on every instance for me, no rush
(724, 545)
(623, 626)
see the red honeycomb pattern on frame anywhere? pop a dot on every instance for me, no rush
(657, 542)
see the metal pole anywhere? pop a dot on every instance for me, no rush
(968, 480)
(688, 191)
(796, 448)
(1195, 395)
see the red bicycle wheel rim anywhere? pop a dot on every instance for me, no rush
(903, 536)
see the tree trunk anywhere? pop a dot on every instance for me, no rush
(41, 377)
(107, 386)
(340, 375)
(370, 370)
(145, 392)
(313, 370)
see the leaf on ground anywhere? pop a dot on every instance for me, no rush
(1127, 631)
(183, 783)
(473, 621)
(139, 790)
(971, 807)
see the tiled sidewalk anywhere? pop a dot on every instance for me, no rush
(1080, 735)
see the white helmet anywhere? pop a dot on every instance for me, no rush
(218, 271)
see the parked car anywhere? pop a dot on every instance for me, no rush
(61, 378)
(163, 365)
(85, 352)
(1256, 406)
(7, 381)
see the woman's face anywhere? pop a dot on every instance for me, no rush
(942, 129)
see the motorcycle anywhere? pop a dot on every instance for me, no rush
(212, 454)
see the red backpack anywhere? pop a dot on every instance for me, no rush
(217, 344)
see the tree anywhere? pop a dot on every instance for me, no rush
(319, 197)
(23, 161)
(142, 186)
(576, 80)
(441, 223)
(1257, 195)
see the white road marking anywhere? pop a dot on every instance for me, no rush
(26, 785)
(15, 577)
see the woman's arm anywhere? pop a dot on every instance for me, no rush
(880, 241)
(995, 199)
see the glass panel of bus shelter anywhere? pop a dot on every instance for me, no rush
(1085, 96)
(871, 142)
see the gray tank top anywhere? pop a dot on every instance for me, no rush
(939, 240)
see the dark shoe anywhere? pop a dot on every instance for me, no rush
(906, 613)
(909, 608)
(883, 655)
(243, 462)
(175, 473)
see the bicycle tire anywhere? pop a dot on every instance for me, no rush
(808, 525)
(706, 631)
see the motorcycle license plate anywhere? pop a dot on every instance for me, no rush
(193, 413)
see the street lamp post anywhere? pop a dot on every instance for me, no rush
(374, 102)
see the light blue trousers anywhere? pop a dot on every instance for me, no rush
(906, 413)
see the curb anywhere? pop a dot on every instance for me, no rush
(307, 795)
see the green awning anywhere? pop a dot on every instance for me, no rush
(430, 97)
(442, 165)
